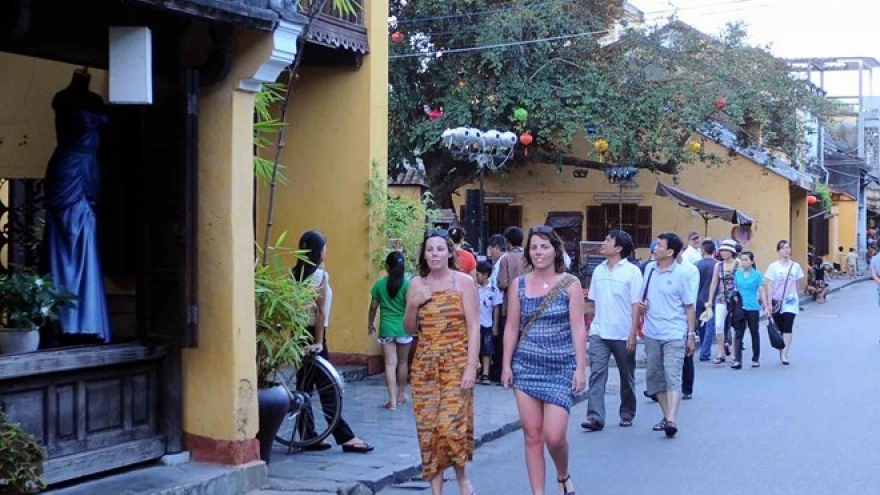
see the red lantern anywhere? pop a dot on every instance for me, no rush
(720, 103)
(397, 37)
(526, 139)
(811, 200)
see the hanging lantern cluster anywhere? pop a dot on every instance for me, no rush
(621, 174)
(526, 139)
(694, 146)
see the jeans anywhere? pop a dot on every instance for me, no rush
(752, 318)
(600, 353)
(707, 338)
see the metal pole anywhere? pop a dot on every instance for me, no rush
(482, 212)
(620, 208)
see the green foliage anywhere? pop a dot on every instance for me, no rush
(645, 94)
(21, 460)
(29, 300)
(395, 218)
(266, 128)
(824, 195)
(284, 307)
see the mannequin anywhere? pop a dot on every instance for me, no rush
(72, 187)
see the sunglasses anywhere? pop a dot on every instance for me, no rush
(437, 233)
(542, 229)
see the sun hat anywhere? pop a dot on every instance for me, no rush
(728, 245)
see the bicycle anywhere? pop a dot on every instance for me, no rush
(316, 383)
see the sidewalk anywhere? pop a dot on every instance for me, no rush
(393, 433)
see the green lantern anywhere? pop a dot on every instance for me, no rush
(520, 114)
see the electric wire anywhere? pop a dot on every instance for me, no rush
(480, 12)
(448, 51)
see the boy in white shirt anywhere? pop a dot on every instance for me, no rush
(490, 310)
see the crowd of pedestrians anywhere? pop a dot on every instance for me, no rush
(517, 319)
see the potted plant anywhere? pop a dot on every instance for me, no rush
(21, 460)
(283, 308)
(28, 300)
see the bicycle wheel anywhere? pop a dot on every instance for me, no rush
(315, 385)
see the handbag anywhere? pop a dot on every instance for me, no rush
(557, 289)
(777, 303)
(775, 335)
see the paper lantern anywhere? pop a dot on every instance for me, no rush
(526, 139)
(601, 145)
(694, 146)
(811, 200)
(520, 114)
(720, 103)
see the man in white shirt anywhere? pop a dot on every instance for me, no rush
(693, 252)
(670, 320)
(616, 290)
(497, 249)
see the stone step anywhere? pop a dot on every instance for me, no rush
(193, 478)
(352, 372)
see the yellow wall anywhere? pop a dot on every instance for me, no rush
(539, 188)
(27, 121)
(411, 192)
(847, 219)
(338, 126)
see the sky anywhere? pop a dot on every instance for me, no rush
(792, 28)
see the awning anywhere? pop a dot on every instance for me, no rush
(707, 209)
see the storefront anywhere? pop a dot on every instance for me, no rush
(102, 403)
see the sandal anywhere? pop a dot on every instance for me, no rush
(756, 364)
(659, 426)
(626, 423)
(388, 406)
(670, 429)
(318, 447)
(564, 482)
(718, 360)
(357, 447)
(736, 365)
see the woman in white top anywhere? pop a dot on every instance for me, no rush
(316, 250)
(782, 280)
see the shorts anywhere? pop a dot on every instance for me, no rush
(487, 341)
(665, 364)
(406, 339)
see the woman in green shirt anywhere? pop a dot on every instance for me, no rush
(389, 294)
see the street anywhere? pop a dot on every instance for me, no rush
(808, 428)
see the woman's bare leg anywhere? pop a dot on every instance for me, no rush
(531, 415)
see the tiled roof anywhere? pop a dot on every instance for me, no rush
(408, 177)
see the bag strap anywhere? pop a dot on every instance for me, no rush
(648, 283)
(784, 287)
(557, 289)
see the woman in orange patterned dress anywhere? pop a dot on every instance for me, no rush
(442, 307)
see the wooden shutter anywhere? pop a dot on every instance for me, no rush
(167, 312)
(595, 223)
(514, 216)
(643, 227)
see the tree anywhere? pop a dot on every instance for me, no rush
(644, 95)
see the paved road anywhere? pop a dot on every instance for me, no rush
(808, 428)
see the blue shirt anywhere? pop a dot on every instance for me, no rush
(748, 288)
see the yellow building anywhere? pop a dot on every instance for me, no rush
(774, 196)
(176, 218)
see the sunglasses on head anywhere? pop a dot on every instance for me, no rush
(542, 229)
(437, 233)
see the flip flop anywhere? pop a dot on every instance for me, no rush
(357, 448)
(388, 406)
(626, 423)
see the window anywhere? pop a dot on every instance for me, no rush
(637, 222)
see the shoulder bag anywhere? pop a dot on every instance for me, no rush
(557, 289)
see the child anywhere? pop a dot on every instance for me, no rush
(852, 263)
(490, 310)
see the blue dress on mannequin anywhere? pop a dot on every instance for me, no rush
(72, 187)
